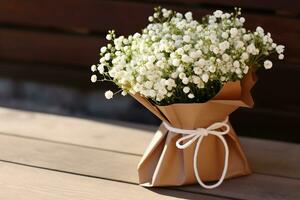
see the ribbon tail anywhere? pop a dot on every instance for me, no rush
(225, 163)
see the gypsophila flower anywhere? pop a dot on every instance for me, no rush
(189, 16)
(124, 93)
(280, 49)
(94, 78)
(101, 68)
(224, 35)
(103, 49)
(178, 59)
(233, 32)
(186, 90)
(186, 38)
(280, 56)
(268, 64)
(191, 96)
(242, 20)
(109, 94)
(93, 68)
(185, 80)
(218, 13)
(205, 78)
(108, 37)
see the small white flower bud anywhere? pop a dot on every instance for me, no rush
(185, 58)
(236, 64)
(242, 20)
(185, 80)
(280, 56)
(244, 56)
(101, 68)
(93, 68)
(93, 78)
(205, 78)
(191, 96)
(212, 68)
(186, 38)
(233, 32)
(268, 64)
(176, 62)
(280, 49)
(224, 35)
(188, 16)
(108, 37)
(150, 19)
(124, 93)
(182, 75)
(218, 13)
(107, 56)
(109, 94)
(260, 30)
(103, 49)
(186, 89)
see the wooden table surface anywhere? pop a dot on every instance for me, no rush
(53, 157)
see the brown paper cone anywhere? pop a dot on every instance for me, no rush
(163, 164)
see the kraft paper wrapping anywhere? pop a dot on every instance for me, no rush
(163, 164)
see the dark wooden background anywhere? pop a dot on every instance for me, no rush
(55, 42)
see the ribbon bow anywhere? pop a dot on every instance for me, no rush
(192, 135)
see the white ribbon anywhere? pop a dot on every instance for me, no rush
(199, 133)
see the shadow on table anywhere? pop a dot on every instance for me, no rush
(174, 192)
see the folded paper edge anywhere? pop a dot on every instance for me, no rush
(236, 93)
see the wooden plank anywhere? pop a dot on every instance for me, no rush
(89, 15)
(96, 15)
(69, 158)
(121, 167)
(26, 183)
(43, 47)
(256, 186)
(75, 131)
(134, 141)
(291, 6)
(66, 75)
(277, 158)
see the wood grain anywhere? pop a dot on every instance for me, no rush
(258, 187)
(122, 167)
(129, 139)
(43, 47)
(27, 183)
(75, 131)
(69, 75)
(291, 7)
(97, 15)
(277, 158)
(68, 158)
(83, 50)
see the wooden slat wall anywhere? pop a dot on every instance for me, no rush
(64, 36)
(87, 16)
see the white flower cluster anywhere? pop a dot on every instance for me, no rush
(179, 59)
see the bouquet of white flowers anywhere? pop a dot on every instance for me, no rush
(180, 60)
(192, 75)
